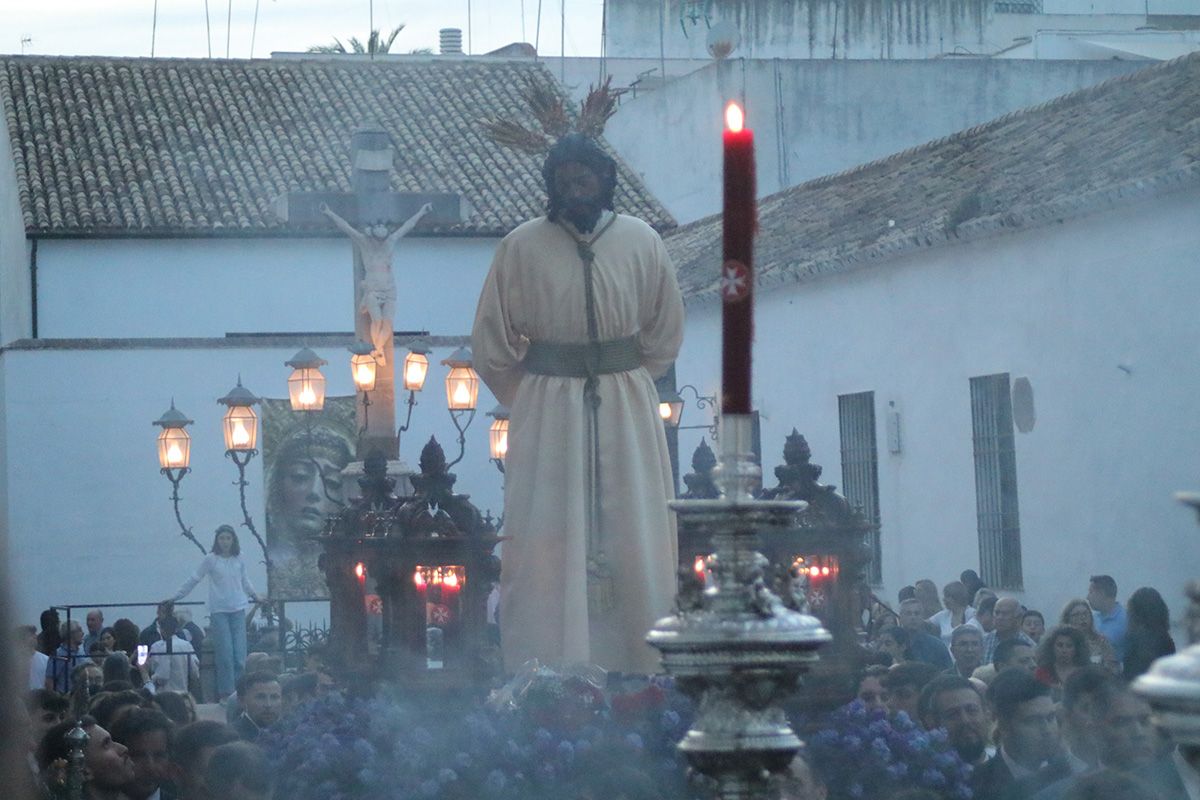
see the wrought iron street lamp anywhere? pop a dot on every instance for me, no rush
(174, 442)
(306, 385)
(462, 392)
(415, 368)
(498, 436)
(240, 423)
(702, 402)
(462, 382)
(362, 366)
(670, 407)
(241, 439)
(174, 456)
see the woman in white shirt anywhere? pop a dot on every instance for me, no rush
(957, 611)
(229, 595)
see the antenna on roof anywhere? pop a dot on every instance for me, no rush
(153, 28)
(228, 27)
(207, 29)
(254, 29)
(26, 39)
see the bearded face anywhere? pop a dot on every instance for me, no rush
(580, 181)
(578, 196)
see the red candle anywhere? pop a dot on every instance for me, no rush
(737, 263)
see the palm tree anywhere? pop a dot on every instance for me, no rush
(376, 44)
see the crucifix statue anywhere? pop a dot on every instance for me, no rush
(366, 215)
(373, 247)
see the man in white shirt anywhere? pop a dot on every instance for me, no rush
(172, 659)
(27, 641)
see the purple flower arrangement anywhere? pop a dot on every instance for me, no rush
(862, 755)
(563, 740)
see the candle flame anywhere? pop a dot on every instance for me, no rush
(664, 410)
(364, 374)
(735, 118)
(174, 455)
(451, 579)
(307, 396)
(462, 394)
(241, 436)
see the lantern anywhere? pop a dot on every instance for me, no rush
(174, 443)
(363, 366)
(240, 423)
(306, 385)
(670, 407)
(416, 366)
(462, 384)
(498, 433)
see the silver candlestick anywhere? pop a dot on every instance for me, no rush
(735, 647)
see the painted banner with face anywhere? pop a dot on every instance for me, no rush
(304, 454)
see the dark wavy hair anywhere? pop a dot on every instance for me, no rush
(236, 550)
(1147, 610)
(576, 148)
(1045, 650)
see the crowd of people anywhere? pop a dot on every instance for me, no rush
(134, 691)
(145, 740)
(1041, 713)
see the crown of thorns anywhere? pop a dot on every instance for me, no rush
(549, 109)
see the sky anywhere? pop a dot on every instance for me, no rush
(125, 27)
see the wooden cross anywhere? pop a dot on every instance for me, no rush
(372, 204)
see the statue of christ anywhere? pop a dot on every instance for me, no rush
(377, 293)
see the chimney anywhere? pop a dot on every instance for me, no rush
(451, 41)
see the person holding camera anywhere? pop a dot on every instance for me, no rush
(230, 593)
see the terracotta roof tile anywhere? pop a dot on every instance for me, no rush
(157, 146)
(1070, 156)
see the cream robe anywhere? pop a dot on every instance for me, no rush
(535, 292)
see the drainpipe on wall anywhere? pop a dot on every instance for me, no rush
(33, 283)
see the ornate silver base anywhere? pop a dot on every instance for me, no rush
(735, 646)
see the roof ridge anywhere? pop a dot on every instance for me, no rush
(933, 232)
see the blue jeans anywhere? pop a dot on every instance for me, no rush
(229, 647)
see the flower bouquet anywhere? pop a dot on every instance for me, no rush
(864, 755)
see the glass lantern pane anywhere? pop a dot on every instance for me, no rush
(241, 428)
(306, 389)
(363, 370)
(416, 367)
(174, 448)
(462, 389)
(499, 438)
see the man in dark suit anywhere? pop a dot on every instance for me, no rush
(262, 698)
(1031, 754)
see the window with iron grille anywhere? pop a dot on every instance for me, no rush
(1018, 7)
(860, 467)
(996, 481)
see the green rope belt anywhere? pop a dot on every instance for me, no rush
(585, 360)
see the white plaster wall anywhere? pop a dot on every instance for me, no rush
(1062, 306)
(91, 288)
(860, 29)
(814, 118)
(90, 517)
(800, 28)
